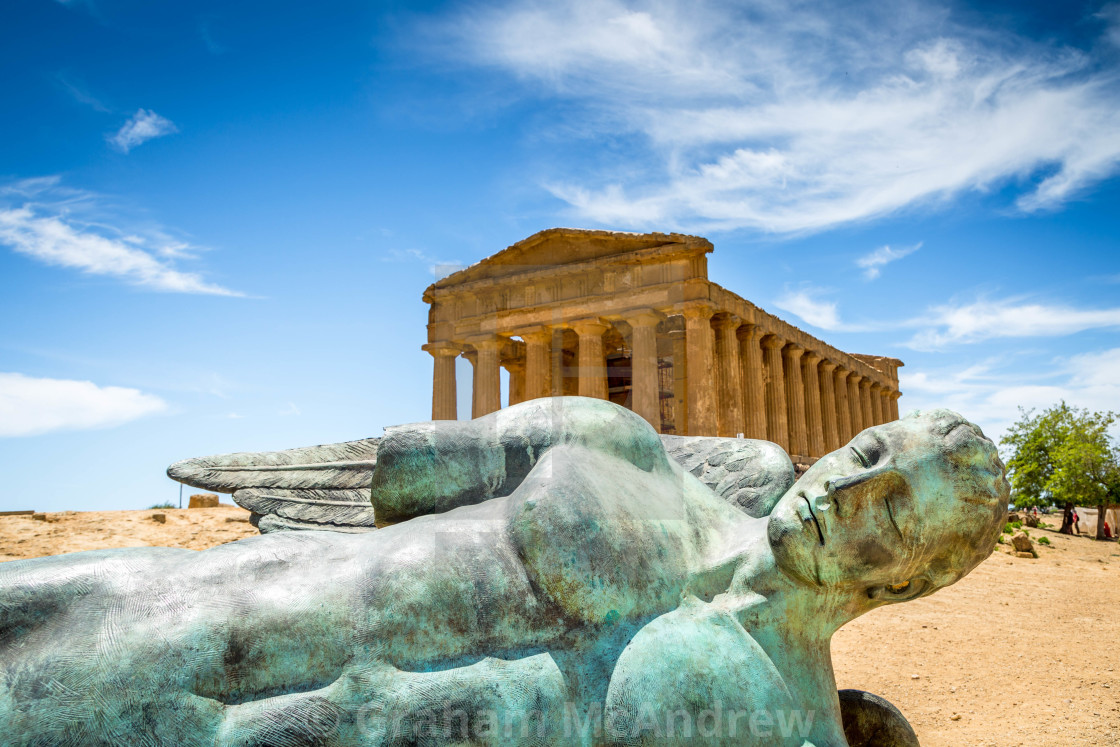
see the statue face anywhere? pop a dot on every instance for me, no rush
(868, 516)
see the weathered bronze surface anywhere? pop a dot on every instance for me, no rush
(587, 590)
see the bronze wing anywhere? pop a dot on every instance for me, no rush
(328, 487)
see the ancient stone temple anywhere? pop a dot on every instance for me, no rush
(634, 319)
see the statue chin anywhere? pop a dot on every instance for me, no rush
(793, 542)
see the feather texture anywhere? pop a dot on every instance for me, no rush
(347, 465)
(747, 473)
(272, 523)
(325, 508)
(328, 487)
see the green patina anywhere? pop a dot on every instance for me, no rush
(576, 586)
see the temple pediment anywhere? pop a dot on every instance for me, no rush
(633, 318)
(557, 247)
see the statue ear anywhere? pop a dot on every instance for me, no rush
(903, 591)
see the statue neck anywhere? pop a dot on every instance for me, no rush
(743, 577)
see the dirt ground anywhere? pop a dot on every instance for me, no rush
(1020, 652)
(72, 531)
(1023, 651)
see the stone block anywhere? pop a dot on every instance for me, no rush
(159, 518)
(203, 500)
(1022, 543)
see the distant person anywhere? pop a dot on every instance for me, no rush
(1076, 522)
(1107, 531)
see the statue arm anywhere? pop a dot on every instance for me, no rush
(427, 468)
(433, 467)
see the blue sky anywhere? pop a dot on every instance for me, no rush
(217, 219)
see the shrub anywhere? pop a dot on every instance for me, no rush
(1044, 540)
(165, 504)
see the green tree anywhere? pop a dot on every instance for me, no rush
(1064, 456)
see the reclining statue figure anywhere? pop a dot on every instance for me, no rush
(547, 574)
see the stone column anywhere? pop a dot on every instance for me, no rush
(487, 381)
(814, 422)
(868, 418)
(701, 383)
(472, 358)
(729, 413)
(854, 406)
(680, 381)
(843, 409)
(646, 398)
(558, 365)
(754, 383)
(795, 400)
(777, 422)
(538, 363)
(516, 368)
(592, 363)
(876, 403)
(828, 406)
(885, 404)
(444, 403)
(894, 404)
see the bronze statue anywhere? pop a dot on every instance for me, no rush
(553, 576)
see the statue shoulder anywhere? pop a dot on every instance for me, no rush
(699, 663)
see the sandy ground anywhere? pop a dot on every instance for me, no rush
(71, 531)
(1024, 651)
(1020, 652)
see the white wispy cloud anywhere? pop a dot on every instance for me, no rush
(1110, 15)
(65, 227)
(873, 262)
(958, 322)
(439, 268)
(975, 321)
(141, 127)
(79, 92)
(205, 31)
(807, 304)
(796, 116)
(991, 392)
(30, 406)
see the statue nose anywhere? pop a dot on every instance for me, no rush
(824, 502)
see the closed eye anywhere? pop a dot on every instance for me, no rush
(890, 514)
(860, 457)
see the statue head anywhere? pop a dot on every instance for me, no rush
(902, 510)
